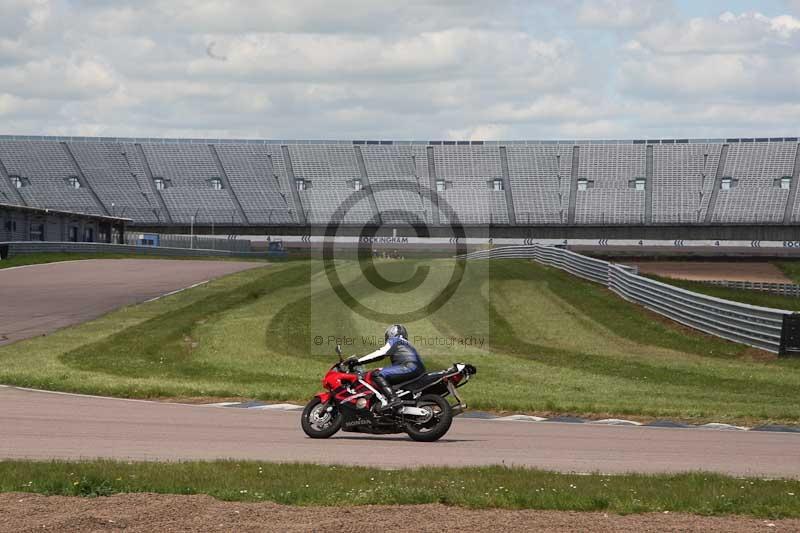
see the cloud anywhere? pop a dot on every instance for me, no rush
(480, 132)
(413, 70)
(72, 77)
(728, 33)
(745, 57)
(622, 14)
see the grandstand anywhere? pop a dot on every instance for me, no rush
(163, 183)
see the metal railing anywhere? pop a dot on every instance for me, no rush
(195, 241)
(781, 289)
(746, 324)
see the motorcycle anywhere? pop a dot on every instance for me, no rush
(354, 403)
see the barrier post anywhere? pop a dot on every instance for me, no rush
(790, 336)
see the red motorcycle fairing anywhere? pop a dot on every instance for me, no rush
(355, 391)
(335, 379)
(324, 397)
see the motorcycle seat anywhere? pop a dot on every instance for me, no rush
(421, 382)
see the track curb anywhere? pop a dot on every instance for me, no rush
(259, 405)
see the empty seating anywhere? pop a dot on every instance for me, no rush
(683, 179)
(329, 174)
(106, 167)
(540, 181)
(273, 183)
(609, 196)
(260, 192)
(469, 174)
(189, 171)
(755, 195)
(46, 169)
(398, 191)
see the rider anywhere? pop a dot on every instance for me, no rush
(406, 363)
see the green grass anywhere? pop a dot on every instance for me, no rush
(475, 487)
(763, 299)
(791, 269)
(56, 257)
(543, 342)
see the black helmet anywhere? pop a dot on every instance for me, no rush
(395, 330)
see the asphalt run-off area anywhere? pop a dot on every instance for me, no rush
(39, 299)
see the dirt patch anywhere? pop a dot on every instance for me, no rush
(715, 270)
(161, 512)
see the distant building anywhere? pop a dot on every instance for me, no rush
(20, 223)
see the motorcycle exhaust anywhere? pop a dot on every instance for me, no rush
(460, 407)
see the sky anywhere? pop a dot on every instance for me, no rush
(411, 70)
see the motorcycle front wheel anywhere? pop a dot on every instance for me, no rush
(436, 425)
(318, 422)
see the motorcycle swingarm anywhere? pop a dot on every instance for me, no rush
(413, 411)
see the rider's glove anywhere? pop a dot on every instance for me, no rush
(352, 361)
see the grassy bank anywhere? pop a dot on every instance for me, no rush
(763, 299)
(484, 487)
(56, 257)
(543, 342)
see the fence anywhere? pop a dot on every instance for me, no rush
(188, 241)
(10, 249)
(747, 324)
(782, 289)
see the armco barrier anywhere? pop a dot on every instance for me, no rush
(29, 247)
(747, 324)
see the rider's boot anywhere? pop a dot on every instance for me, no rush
(392, 400)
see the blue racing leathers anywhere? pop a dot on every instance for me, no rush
(406, 363)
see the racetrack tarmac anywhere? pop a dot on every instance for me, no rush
(39, 299)
(45, 425)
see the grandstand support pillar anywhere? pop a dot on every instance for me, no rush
(435, 216)
(712, 202)
(512, 214)
(271, 172)
(790, 202)
(648, 185)
(573, 184)
(287, 161)
(83, 178)
(362, 169)
(226, 184)
(149, 172)
(7, 178)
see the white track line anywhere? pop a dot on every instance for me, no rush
(176, 291)
(79, 395)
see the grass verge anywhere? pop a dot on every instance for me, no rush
(475, 487)
(543, 341)
(762, 299)
(56, 257)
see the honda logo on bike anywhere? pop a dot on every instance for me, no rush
(357, 422)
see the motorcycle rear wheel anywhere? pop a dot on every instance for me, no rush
(442, 418)
(317, 422)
